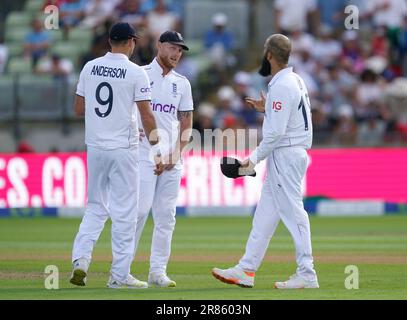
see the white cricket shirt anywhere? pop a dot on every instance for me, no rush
(287, 120)
(170, 93)
(111, 85)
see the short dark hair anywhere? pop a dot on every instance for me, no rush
(280, 47)
(118, 43)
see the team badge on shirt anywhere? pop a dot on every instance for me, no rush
(174, 89)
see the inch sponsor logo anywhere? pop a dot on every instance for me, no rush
(166, 108)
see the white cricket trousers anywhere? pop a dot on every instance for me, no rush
(112, 192)
(281, 198)
(158, 193)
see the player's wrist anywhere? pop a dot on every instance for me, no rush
(253, 157)
(156, 149)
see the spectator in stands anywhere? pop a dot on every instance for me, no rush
(97, 11)
(326, 49)
(188, 67)
(56, 3)
(149, 5)
(24, 147)
(352, 54)
(145, 49)
(369, 94)
(37, 42)
(58, 67)
(403, 48)
(226, 107)
(345, 128)
(388, 13)
(242, 86)
(219, 42)
(293, 14)
(161, 19)
(321, 123)
(71, 13)
(130, 11)
(3, 56)
(332, 13)
(337, 88)
(204, 119)
(100, 43)
(371, 131)
(380, 44)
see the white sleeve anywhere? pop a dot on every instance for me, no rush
(142, 89)
(277, 112)
(80, 89)
(186, 102)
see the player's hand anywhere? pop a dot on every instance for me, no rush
(141, 134)
(247, 167)
(258, 105)
(159, 165)
(171, 160)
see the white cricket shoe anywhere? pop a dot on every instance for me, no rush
(161, 280)
(235, 275)
(130, 283)
(297, 282)
(80, 270)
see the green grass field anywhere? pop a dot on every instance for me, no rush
(376, 245)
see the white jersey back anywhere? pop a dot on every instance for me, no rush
(170, 94)
(288, 89)
(287, 120)
(111, 85)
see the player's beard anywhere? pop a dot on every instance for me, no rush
(265, 69)
(169, 63)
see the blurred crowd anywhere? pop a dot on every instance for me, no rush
(356, 77)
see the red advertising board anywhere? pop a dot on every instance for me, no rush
(59, 180)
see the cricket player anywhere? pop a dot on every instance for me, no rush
(287, 134)
(172, 106)
(108, 90)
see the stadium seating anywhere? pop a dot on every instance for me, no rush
(15, 49)
(19, 65)
(16, 34)
(69, 49)
(33, 6)
(198, 13)
(17, 19)
(84, 36)
(7, 98)
(39, 98)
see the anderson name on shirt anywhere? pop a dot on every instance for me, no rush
(108, 72)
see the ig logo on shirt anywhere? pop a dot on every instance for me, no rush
(277, 105)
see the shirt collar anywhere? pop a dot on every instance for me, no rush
(156, 66)
(118, 56)
(280, 74)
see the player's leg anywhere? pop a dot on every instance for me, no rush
(293, 165)
(123, 199)
(164, 209)
(95, 216)
(148, 182)
(265, 221)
